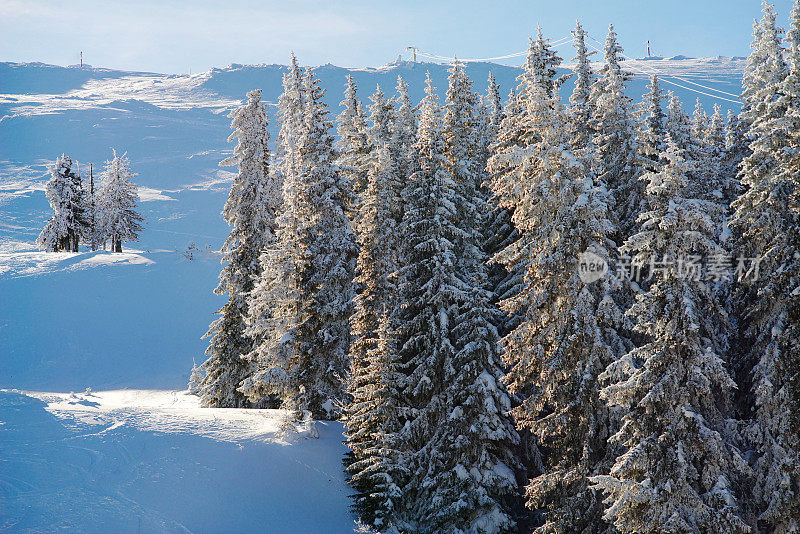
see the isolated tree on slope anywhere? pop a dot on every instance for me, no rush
(119, 220)
(64, 191)
(250, 211)
(569, 332)
(767, 220)
(678, 471)
(302, 307)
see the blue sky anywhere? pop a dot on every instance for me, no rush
(175, 36)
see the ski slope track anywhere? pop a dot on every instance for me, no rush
(134, 452)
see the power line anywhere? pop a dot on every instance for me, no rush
(676, 77)
(565, 40)
(429, 55)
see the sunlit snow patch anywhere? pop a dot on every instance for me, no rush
(172, 412)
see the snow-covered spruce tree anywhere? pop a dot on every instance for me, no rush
(580, 113)
(478, 432)
(253, 203)
(652, 132)
(376, 467)
(717, 154)
(699, 120)
(767, 225)
(678, 471)
(92, 216)
(456, 438)
(515, 132)
(272, 303)
(615, 138)
(404, 136)
(352, 144)
(682, 130)
(291, 106)
(766, 67)
(119, 221)
(302, 306)
(372, 381)
(381, 133)
(569, 332)
(65, 193)
(735, 151)
(493, 103)
(540, 67)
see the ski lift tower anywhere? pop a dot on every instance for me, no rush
(414, 52)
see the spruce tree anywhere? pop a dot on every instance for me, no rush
(65, 193)
(92, 215)
(303, 304)
(372, 416)
(429, 299)
(253, 203)
(615, 138)
(569, 332)
(767, 226)
(651, 136)
(116, 202)
(404, 133)
(352, 144)
(679, 471)
(457, 438)
(272, 306)
(580, 112)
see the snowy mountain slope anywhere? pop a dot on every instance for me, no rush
(152, 461)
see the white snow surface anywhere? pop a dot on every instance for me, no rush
(154, 461)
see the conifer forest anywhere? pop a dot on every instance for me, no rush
(539, 307)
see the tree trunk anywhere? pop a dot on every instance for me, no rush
(117, 245)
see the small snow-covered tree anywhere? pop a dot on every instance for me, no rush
(65, 193)
(253, 203)
(92, 214)
(119, 220)
(678, 472)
